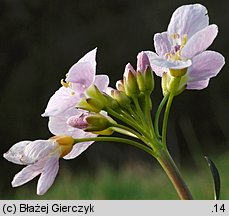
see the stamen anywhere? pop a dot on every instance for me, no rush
(65, 84)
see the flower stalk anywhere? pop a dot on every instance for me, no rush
(170, 168)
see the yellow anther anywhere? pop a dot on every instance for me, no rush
(65, 84)
(184, 40)
(175, 36)
(72, 93)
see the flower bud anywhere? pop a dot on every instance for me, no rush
(142, 62)
(78, 121)
(121, 98)
(130, 81)
(93, 92)
(90, 104)
(94, 123)
(120, 85)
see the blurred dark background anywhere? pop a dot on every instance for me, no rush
(40, 40)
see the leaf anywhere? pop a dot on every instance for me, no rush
(215, 178)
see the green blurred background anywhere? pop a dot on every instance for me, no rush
(41, 39)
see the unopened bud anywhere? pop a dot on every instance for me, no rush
(120, 85)
(142, 62)
(98, 122)
(93, 92)
(90, 104)
(130, 83)
(78, 121)
(121, 98)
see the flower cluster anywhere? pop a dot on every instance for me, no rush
(85, 106)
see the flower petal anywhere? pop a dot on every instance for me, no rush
(200, 41)
(82, 74)
(28, 173)
(77, 150)
(48, 174)
(91, 58)
(188, 19)
(16, 152)
(162, 44)
(63, 99)
(166, 64)
(37, 150)
(102, 82)
(198, 85)
(152, 55)
(205, 65)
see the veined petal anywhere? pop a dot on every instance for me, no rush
(38, 150)
(77, 150)
(198, 85)
(81, 73)
(200, 41)
(188, 19)
(102, 82)
(91, 58)
(48, 174)
(28, 173)
(162, 44)
(157, 69)
(16, 152)
(63, 99)
(205, 65)
(166, 64)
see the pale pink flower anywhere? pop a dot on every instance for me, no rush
(61, 105)
(41, 157)
(80, 76)
(184, 45)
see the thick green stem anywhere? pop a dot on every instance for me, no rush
(174, 175)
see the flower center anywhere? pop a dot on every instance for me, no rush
(178, 42)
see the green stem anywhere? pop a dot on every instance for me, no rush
(131, 123)
(158, 113)
(139, 109)
(174, 86)
(174, 175)
(116, 139)
(148, 114)
(137, 135)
